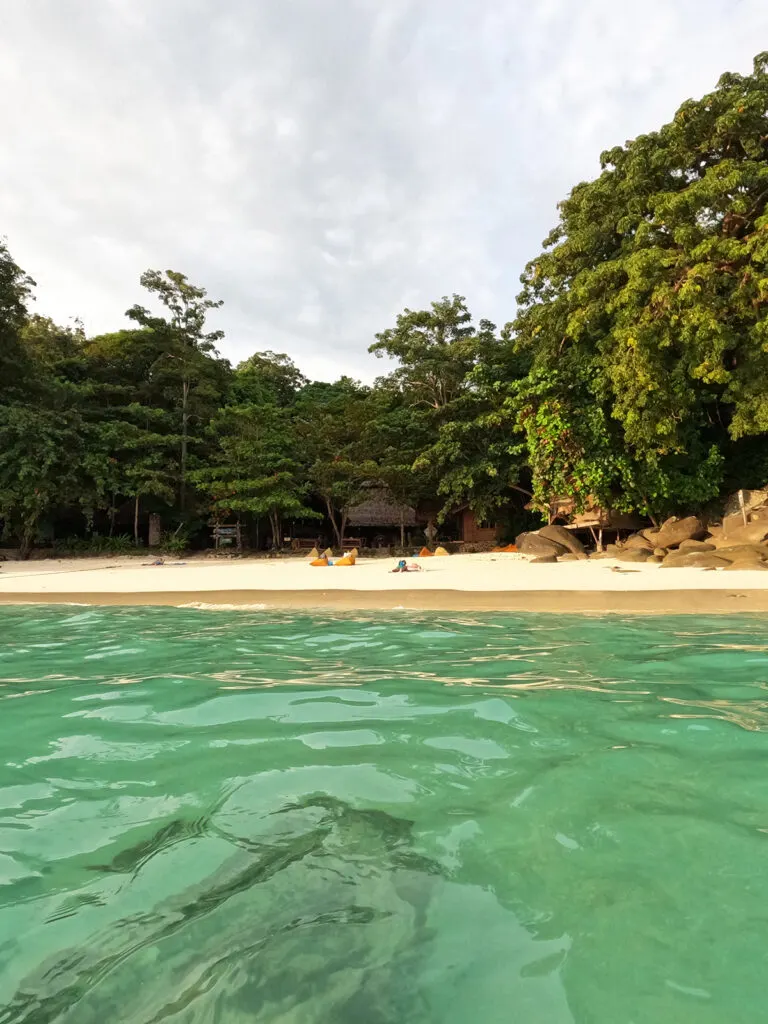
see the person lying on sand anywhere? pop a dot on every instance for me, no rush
(402, 566)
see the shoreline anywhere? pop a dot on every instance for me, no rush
(570, 602)
(490, 582)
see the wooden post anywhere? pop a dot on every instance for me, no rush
(743, 509)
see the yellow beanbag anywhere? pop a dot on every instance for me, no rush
(440, 551)
(346, 560)
(319, 561)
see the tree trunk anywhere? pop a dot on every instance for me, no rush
(112, 514)
(402, 529)
(334, 524)
(136, 521)
(343, 529)
(25, 543)
(184, 434)
(274, 520)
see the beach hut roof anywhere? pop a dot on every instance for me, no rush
(381, 509)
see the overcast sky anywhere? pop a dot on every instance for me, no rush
(320, 164)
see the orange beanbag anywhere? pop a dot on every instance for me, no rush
(319, 561)
(425, 553)
(346, 560)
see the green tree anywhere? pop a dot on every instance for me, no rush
(436, 348)
(187, 368)
(330, 423)
(255, 467)
(16, 372)
(653, 289)
(266, 378)
(39, 467)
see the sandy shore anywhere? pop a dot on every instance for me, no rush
(486, 582)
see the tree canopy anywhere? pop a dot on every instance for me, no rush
(633, 373)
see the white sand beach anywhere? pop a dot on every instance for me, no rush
(463, 582)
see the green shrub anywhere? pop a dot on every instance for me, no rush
(174, 543)
(96, 545)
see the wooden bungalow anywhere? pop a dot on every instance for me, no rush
(594, 519)
(474, 531)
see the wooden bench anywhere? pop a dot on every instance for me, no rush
(303, 544)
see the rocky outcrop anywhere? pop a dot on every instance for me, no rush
(634, 555)
(638, 542)
(696, 545)
(733, 534)
(743, 552)
(747, 563)
(535, 545)
(559, 535)
(573, 556)
(674, 531)
(544, 560)
(651, 535)
(693, 560)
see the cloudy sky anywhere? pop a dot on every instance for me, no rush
(320, 164)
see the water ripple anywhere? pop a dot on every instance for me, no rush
(289, 818)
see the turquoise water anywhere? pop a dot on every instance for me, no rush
(223, 817)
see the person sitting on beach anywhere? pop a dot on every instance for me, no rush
(402, 566)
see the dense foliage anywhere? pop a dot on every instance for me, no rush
(634, 375)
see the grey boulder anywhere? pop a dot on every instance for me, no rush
(559, 535)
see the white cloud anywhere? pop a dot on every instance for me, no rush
(319, 166)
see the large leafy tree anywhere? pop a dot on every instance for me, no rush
(330, 424)
(452, 433)
(16, 370)
(435, 349)
(255, 467)
(646, 311)
(187, 369)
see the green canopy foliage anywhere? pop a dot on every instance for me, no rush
(646, 309)
(634, 373)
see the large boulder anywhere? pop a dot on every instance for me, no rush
(651, 535)
(674, 531)
(560, 535)
(544, 560)
(537, 546)
(693, 560)
(740, 552)
(573, 556)
(634, 555)
(638, 542)
(746, 563)
(695, 545)
(752, 533)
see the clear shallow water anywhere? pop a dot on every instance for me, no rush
(226, 817)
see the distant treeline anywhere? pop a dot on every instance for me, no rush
(634, 375)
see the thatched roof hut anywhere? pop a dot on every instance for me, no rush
(380, 509)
